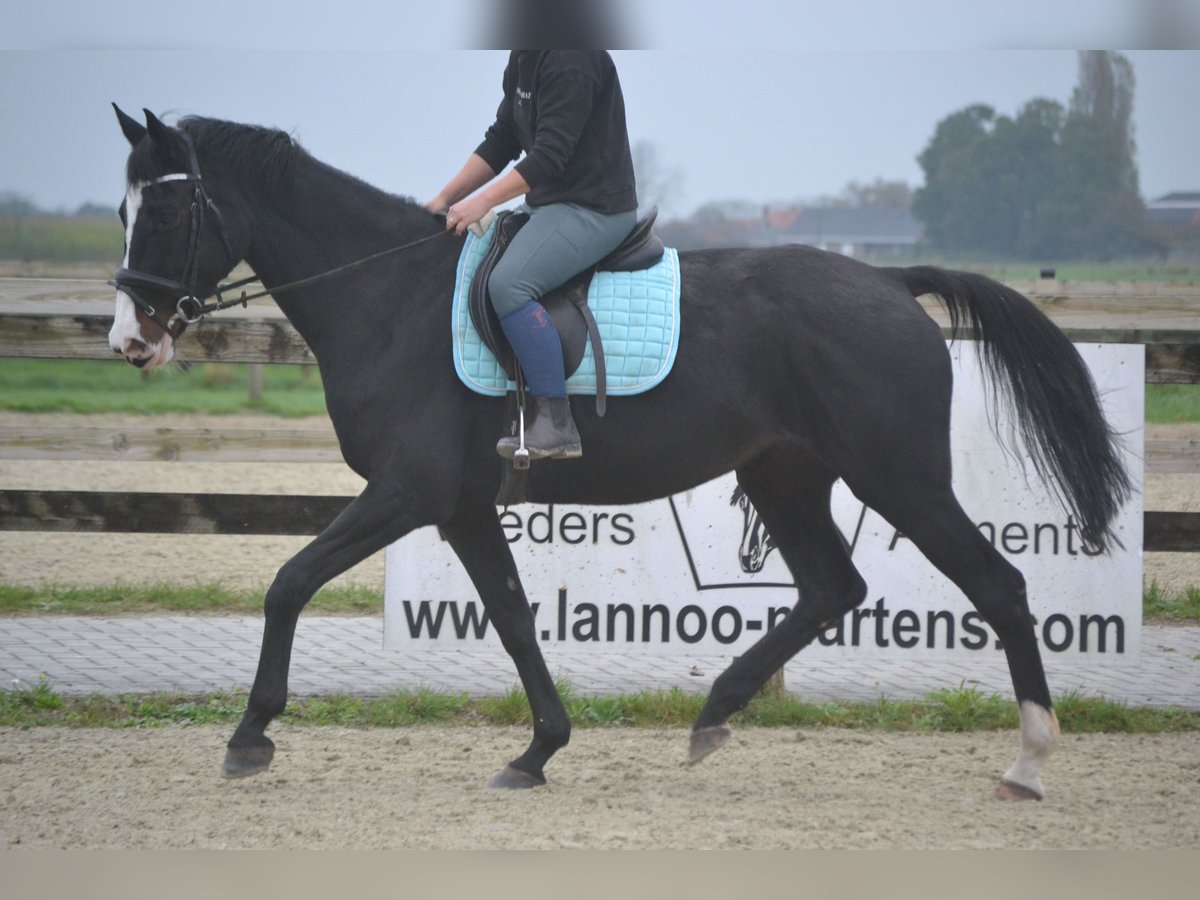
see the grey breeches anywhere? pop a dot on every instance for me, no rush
(558, 241)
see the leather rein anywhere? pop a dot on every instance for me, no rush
(190, 301)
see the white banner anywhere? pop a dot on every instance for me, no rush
(697, 574)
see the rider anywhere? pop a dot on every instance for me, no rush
(565, 110)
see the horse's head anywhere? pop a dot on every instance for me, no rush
(178, 243)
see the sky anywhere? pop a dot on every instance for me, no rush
(761, 100)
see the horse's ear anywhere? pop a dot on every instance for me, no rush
(133, 130)
(159, 133)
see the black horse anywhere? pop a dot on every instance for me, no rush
(797, 367)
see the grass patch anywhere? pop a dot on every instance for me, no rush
(1087, 715)
(1172, 404)
(203, 599)
(956, 710)
(420, 707)
(969, 709)
(95, 386)
(1159, 605)
(510, 708)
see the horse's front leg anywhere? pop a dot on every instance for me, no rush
(373, 520)
(477, 537)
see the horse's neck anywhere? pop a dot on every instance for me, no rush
(328, 220)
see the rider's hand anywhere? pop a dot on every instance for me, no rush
(466, 213)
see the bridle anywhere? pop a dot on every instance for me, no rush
(190, 305)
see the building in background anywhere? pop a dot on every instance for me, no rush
(852, 231)
(1175, 220)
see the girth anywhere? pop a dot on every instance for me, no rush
(567, 305)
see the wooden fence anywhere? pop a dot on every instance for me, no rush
(47, 320)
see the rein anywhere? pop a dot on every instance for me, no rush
(193, 309)
(190, 306)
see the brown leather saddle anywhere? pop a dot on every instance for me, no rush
(567, 305)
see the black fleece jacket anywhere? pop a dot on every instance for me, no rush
(565, 110)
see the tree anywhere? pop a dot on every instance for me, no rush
(1035, 155)
(954, 198)
(1049, 183)
(1096, 208)
(16, 205)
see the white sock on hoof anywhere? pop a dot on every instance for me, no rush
(1039, 737)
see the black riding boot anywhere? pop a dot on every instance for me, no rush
(552, 436)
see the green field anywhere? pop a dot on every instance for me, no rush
(93, 386)
(45, 239)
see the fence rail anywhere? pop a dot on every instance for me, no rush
(147, 512)
(41, 321)
(132, 512)
(150, 443)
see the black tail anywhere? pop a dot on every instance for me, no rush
(1039, 378)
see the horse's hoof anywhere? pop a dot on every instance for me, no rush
(515, 779)
(705, 740)
(243, 761)
(1010, 790)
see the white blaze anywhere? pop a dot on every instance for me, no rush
(125, 323)
(126, 333)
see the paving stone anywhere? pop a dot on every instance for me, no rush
(81, 655)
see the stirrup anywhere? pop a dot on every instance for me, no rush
(521, 456)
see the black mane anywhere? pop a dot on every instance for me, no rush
(272, 156)
(267, 152)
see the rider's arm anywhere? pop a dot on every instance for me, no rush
(474, 174)
(511, 184)
(464, 213)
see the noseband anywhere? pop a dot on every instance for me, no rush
(189, 307)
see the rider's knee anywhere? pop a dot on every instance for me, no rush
(506, 292)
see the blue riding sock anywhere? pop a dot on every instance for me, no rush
(536, 343)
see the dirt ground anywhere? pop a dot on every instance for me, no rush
(611, 788)
(251, 562)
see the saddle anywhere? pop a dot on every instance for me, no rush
(567, 305)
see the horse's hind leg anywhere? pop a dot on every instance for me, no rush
(931, 517)
(479, 540)
(791, 492)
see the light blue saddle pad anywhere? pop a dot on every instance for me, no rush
(638, 315)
